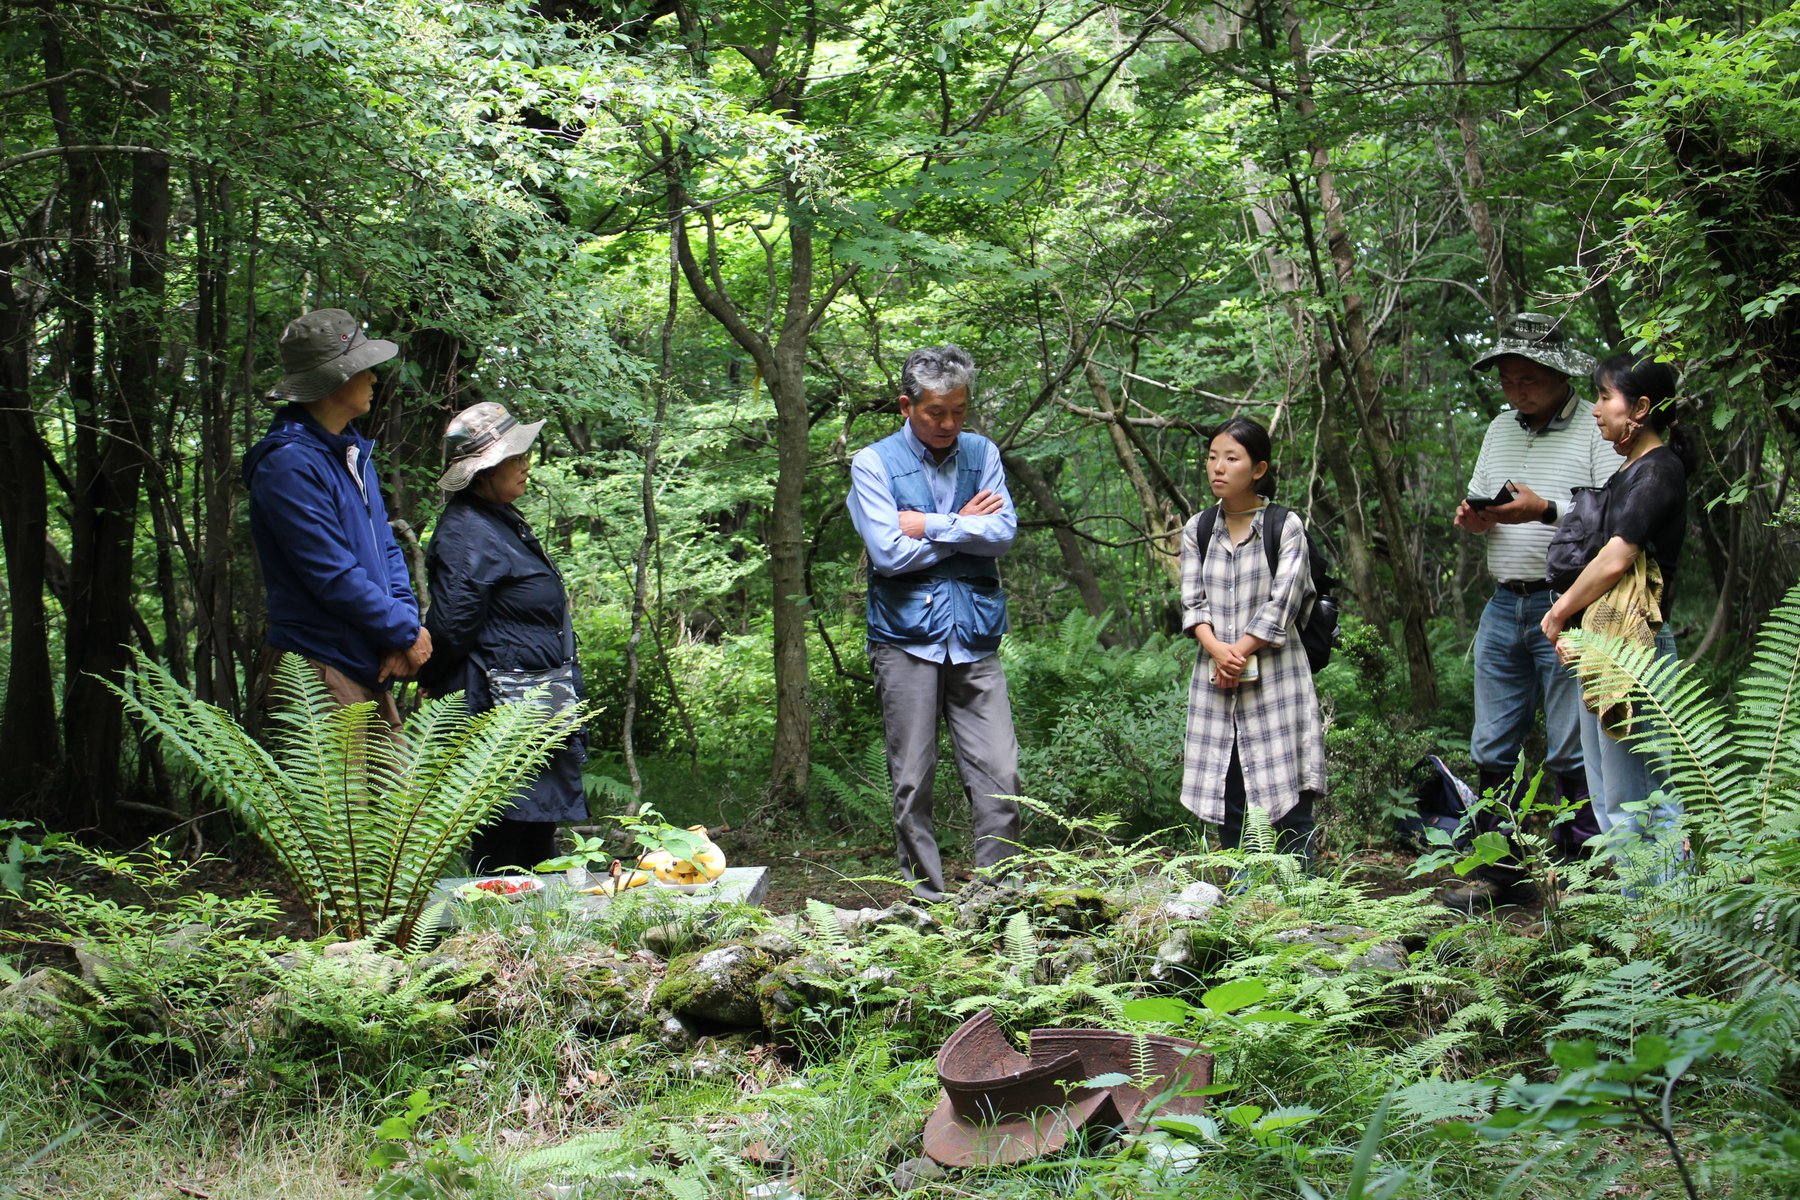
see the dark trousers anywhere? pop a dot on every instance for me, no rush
(971, 699)
(507, 844)
(1293, 832)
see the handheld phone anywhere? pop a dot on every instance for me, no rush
(1506, 495)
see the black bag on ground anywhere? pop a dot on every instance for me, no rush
(1440, 800)
(1579, 535)
(1319, 627)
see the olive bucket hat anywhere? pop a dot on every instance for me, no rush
(321, 351)
(481, 436)
(1536, 336)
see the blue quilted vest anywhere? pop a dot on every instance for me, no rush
(959, 596)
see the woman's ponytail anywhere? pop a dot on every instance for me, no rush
(1657, 382)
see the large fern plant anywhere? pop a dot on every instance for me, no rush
(363, 822)
(1737, 772)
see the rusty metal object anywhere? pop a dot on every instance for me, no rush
(1174, 1065)
(1000, 1106)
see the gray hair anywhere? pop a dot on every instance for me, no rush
(937, 369)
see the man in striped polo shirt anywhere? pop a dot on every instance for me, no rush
(1538, 452)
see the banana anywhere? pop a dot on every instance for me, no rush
(612, 887)
(706, 865)
(710, 860)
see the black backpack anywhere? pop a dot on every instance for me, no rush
(1319, 632)
(1440, 800)
(1579, 536)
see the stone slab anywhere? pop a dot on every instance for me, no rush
(738, 885)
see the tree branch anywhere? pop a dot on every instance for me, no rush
(19, 160)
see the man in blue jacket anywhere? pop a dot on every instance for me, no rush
(931, 504)
(339, 595)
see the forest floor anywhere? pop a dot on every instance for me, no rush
(853, 872)
(538, 1085)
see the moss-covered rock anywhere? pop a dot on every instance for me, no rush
(40, 996)
(670, 1031)
(795, 998)
(594, 988)
(1336, 949)
(1076, 910)
(859, 923)
(983, 904)
(716, 987)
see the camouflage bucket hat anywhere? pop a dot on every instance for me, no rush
(1535, 336)
(321, 351)
(481, 436)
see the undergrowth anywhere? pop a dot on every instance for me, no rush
(1634, 1041)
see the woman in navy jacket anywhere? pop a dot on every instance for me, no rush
(499, 611)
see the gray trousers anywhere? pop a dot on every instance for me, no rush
(971, 698)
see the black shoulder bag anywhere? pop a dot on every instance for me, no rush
(550, 688)
(1579, 535)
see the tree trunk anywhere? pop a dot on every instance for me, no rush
(1075, 560)
(783, 368)
(29, 740)
(1359, 561)
(1163, 532)
(789, 772)
(1474, 187)
(110, 464)
(641, 584)
(1359, 373)
(214, 666)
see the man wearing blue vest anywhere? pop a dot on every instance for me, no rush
(931, 504)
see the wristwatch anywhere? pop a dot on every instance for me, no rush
(1550, 513)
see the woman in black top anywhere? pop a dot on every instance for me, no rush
(1646, 510)
(499, 618)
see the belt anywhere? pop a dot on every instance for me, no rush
(920, 578)
(1525, 587)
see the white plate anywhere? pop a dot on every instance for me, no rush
(688, 888)
(527, 884)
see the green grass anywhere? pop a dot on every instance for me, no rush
(538, 1091)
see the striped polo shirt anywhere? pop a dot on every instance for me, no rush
(1565, 454)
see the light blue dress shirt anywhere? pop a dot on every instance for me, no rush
(877, 518)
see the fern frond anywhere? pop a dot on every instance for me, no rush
(1143, 1063)
(363, 822)
(1683, 730)
(1422, 1054)
(585, 1155)
(1433, 1100)
(598, 785)
(1021, 945)
(1768, 714)
(1258, 831)
(826, 926)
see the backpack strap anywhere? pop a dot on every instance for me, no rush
(1209, 520)
(1277, 515)
(1203, 532)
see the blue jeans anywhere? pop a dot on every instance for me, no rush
(1515, 665)
(1629, 802)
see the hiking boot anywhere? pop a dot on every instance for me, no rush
(1483, 895)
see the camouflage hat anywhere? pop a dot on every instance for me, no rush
(481, 436)
(321, 351)
(1535, 336)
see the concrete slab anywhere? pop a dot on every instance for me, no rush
(738, 885)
